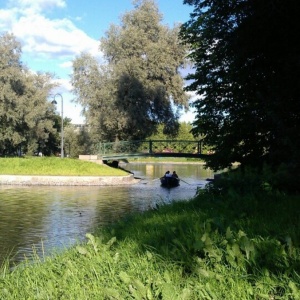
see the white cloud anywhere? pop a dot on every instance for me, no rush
(42, 37)
(36, 6)
(52, 38)
(7, 19)
(66, 65)
(49, 43)
(189, 116)
(64, 85)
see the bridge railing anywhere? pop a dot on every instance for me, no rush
(150, 146)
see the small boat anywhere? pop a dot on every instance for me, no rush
(169, 181)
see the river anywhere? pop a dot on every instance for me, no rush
(39, 219)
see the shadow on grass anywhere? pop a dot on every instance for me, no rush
(240, 232)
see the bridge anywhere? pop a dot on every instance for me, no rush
(150, 148)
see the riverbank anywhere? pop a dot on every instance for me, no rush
(54, 166)
(164, 160)
(205, 248)
(57, 171)
(53, 171)
(67, 180)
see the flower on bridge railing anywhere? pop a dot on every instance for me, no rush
(167, 150)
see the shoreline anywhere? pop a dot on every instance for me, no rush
(34, 180)
(163, 162)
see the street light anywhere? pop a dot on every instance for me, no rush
(62, 123)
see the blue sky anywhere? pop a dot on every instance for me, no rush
(54, 32)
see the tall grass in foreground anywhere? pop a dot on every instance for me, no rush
(55, 166)
(212, 247)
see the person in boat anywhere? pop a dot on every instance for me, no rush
(170, 179)
(168, 174)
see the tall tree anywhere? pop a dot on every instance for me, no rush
(25, 115)
(139, 86)
(246, 75)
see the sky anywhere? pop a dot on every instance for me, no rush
(54, 32)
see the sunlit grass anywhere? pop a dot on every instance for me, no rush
(55, 166)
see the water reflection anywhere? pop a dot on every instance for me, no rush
(57, 216)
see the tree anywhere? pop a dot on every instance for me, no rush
(52, 145)
(246, 75)
(25, 114)
(183, 134)
(77, 141)
(139, 86)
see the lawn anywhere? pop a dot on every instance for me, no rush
(55, 166)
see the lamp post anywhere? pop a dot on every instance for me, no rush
(62, 123)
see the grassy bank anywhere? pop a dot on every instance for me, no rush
(55, 166)
(212, 247)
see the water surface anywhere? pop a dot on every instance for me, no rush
(55, 217)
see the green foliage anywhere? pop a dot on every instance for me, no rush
(183, 134)
(241, 182)
(77, 141)
(140, 85)
(252, 181)
(246, 76)
(26, 117)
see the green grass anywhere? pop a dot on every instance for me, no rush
(212, 247)
(55, 166)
